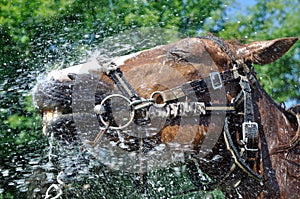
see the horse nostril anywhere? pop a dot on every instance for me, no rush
(72, 76)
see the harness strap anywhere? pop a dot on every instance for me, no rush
(118, 78)
(250, 128)
(214, 81)
(187, 109)
(240, 162)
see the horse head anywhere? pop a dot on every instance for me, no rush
(199, 96)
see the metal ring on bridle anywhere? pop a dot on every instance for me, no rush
(159, 93)
(131, 113)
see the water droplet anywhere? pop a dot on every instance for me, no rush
(36, 190)
(20, 169)
(20, 181)
(5, 173)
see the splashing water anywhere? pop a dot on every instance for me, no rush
(62, 168)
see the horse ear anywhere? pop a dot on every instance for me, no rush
(264, 52)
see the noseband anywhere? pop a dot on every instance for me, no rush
(244, 149)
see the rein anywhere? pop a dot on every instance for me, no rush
(165, 104)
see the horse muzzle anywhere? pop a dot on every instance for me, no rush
(54, 100)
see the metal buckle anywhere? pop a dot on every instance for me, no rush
(250, 130)
(216, 80)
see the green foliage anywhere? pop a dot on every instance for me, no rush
(27, 124)
(18, 15)
(6, 196)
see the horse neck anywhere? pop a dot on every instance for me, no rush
(276, 130)
(276, 126)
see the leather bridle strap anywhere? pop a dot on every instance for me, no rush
(249, 127)
(240, 162)
(117, 76)
(214, 81)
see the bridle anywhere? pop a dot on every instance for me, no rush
(244, 151)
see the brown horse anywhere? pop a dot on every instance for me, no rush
(172, 76)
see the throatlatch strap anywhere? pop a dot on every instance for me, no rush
(249, 127)
(240, 162)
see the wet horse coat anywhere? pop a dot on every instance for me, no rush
(194, 58)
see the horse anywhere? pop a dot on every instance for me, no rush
(191, 95)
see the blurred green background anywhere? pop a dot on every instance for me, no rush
(39, 34)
